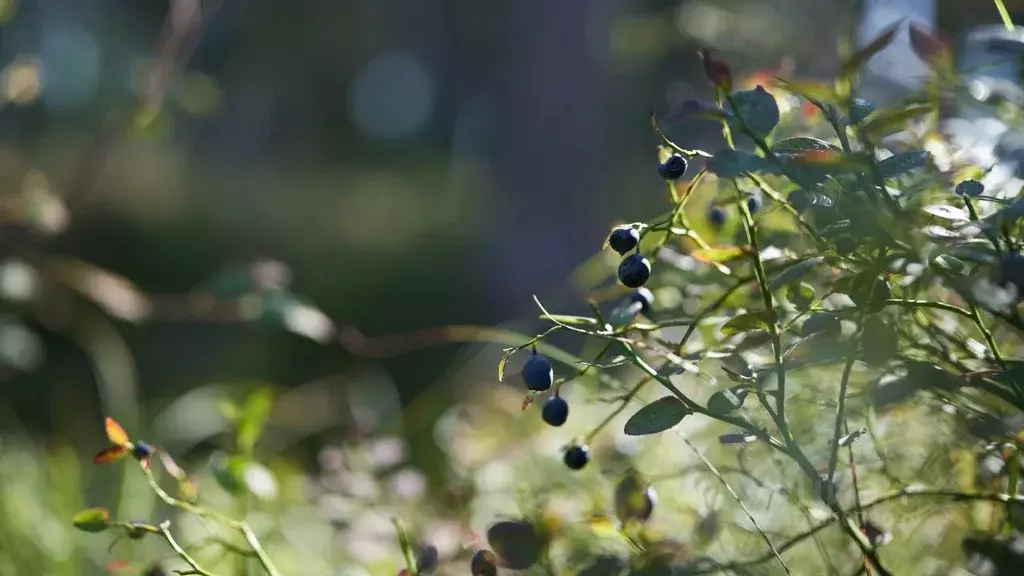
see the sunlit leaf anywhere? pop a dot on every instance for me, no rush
(110, 454)
(886, 122)
(115, 432)
(813, 91)
(759, 320)
(658, 416)
(801, 144)
(516, 543)
(736, 439)
(92, 520)
(253, 417)
(718, 254)
(947, 212)
(569, 319)
(858, 59)
(829, 161)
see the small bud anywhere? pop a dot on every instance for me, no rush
(717, 71)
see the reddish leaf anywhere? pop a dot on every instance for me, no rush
(717, 71)
(117, 435)
(110, 454)
(527, 401)
(930, 46)
(858, 59)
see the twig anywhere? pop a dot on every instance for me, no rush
(165, 529)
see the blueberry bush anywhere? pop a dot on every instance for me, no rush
(810, 363)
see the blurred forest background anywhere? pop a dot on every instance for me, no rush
(415, 164)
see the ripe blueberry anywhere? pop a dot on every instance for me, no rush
(634, 271)
(135, 530)
(142, 450)
(716, 216)
(644, 297)
(754, 203)
(484, 563)
(577, 456)
(538, 373)
(427, 560)
(555, 411)
(623, 239)
(673, 167)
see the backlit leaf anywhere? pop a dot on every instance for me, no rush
(801, 144)
(115, 432)
(658, 416)
(92, 520)
(947, 212)
(886, 122)
(718, 254)
(110, 454)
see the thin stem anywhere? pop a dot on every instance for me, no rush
(729, 489)
(241, 526)
(165, 529)
(844, 385)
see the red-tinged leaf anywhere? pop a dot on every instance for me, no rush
(110, 454)
(144, 462)
(931, 47)
(92, 520)
(812, 91)
(115, 566)
(829, 160)
(117, 435)
(858, 59)
(717, 71)
(718, 254)
(170, 465)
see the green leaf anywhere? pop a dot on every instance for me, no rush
(733, 163)
(887, 122)
(801, 295)
(816, 92)
(858, 59)
(757, 109)
(801, 144)
(902, 163)
(634, 499)
(860, 110)
(229, 471)
(947, 212)
(613, 363)
(748, 322)
(794, 273)
(92, 520)
(718, 254)
(252, 418)
(727, 401)
(658, 416)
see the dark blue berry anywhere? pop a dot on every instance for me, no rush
(634, 271)
(555, 411)
(969, 187)
(577, 456)
(135, 530)
(673, 167)
(846, 245)
(716, 216)
(142, 450)
(484, 563)
(800, 199)
(427, 560)
(623, 239)
(538, 373)
(754, 203)
(644, 297)
(822, 322)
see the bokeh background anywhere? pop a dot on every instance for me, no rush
(414, 164)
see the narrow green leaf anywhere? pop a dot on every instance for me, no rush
(902, 163)
(253, 417)
(92, 520)
(569, 319)
(658, 416)
(817, 93)
(760, 320)
(718, 254)
(794, 273)
(801, 144)
(858, 59)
